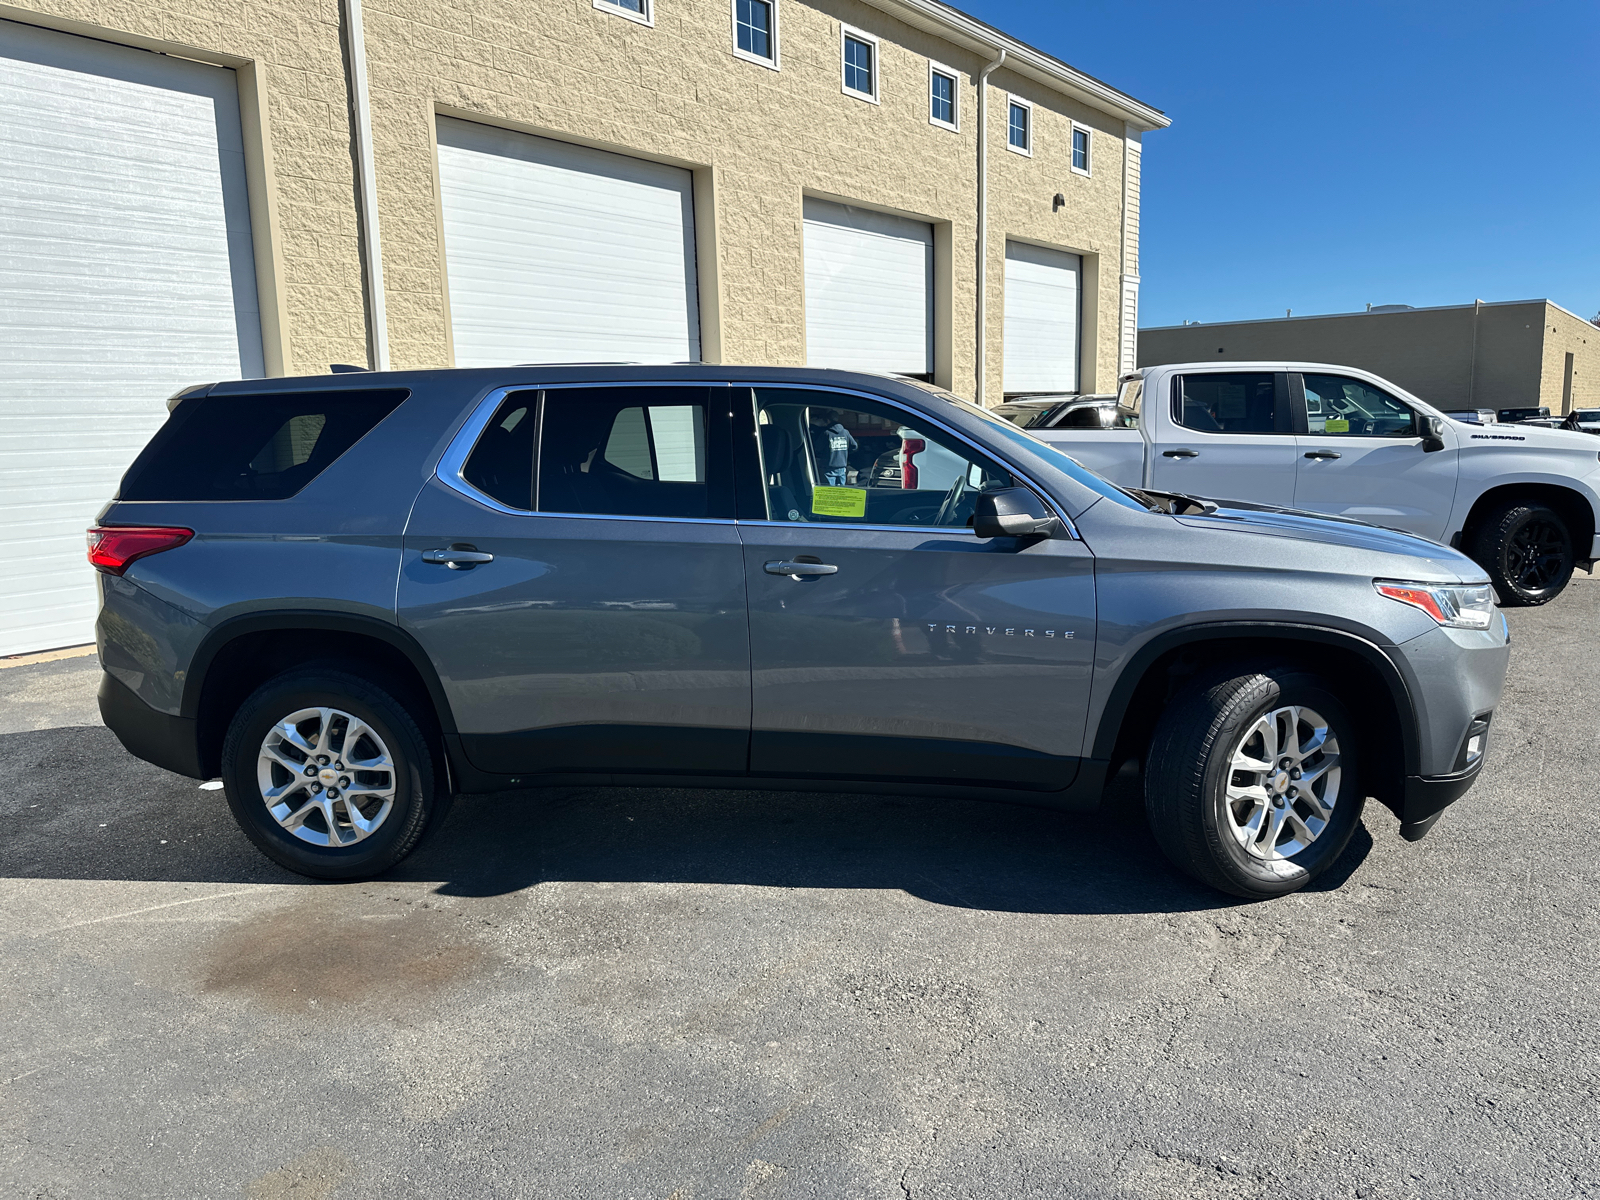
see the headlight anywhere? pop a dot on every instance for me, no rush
(1463, 606)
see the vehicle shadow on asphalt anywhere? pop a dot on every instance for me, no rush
(79, 807)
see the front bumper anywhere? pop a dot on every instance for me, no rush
(1427, 796)
(169, 742)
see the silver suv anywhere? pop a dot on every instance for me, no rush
(353, 597)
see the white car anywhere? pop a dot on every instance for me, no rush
(1521, 500)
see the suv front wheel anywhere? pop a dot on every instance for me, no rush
(329, 775)
(1251, 784)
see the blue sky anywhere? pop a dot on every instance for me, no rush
(1324, 156)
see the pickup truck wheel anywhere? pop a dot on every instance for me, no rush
(329, 775)
(1527, 551)
(1251, 785)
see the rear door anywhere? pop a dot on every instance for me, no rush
(1361, 456)
(574, 572)
(1228, 435)
(887, 642)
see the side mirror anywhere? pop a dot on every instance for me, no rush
(1433, 435)
(1012, 512)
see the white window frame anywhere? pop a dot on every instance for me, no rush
(648, 17)
(1026, 152)
(770, 63)
(1088, 134)
(850, 31)
(937, 68)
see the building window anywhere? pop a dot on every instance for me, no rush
(755, 31)
(860, 64)
(642, 11)
(942, 85)
(1019, 127)
(1080, 149)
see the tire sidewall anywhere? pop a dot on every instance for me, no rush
(413, 774)
(1512, 523)
(1276, 877)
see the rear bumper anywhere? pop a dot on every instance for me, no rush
(157, 737)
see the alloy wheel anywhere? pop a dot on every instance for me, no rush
(1283, 782)
(326, 777)
(1536, 554)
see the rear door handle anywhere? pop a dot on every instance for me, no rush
(1322, 454)
(800, 570)
(1180, 454)
(458, 557)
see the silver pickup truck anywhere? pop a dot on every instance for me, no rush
(1519, 500)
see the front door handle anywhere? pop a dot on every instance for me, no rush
(458, 557)
(1180, 454)
(800, 570)
(1322, 454)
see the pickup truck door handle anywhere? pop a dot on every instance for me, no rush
(800, 570)
(458, 557)
(1180, 454)
(1322, 454)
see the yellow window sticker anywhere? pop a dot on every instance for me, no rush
(1336, 425)
(839, 502)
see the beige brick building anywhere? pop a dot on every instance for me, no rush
(194, 190)
(1517, 354)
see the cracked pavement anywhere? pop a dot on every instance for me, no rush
(708, 996)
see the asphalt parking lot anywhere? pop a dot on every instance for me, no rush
(704, 996)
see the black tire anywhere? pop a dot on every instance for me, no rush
(1188, 772)
(1527, 551)
(418, 804)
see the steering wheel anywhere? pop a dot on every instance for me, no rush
(952, 498)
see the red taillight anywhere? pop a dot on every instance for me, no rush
(112, 549)
(909, 449)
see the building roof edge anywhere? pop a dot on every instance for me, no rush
(1355, 313)
(944, 20)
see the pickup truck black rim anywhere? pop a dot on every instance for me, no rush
(1536, 555)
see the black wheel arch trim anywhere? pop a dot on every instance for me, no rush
(1115, 711)
(230, 630)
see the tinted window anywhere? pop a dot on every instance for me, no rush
(943, 102)
(1017, 130)
(1083, 418)
(630, 452)
(501, 464)
(263, 447)
(845, 459)
(1338, 406)
(1235, 402)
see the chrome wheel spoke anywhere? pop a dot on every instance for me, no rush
(301, 804)
(1271, 798)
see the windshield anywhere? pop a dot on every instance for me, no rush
(1064, 463)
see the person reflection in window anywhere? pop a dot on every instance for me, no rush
(833, 444)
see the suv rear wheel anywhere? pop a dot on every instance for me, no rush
(329, 775)
(1251, 785)
(1527, 551)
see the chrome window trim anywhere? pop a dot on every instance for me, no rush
(1043, 494)
(454, 459)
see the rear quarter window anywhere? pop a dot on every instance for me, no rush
(262, 447)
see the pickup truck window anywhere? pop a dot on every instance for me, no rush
(1228, 402)
(1338, 406)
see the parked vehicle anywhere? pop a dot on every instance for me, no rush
(1472, 416)
(1528, 416)
(1061, 412)
(1520, 500)
(353, 597)
(1582, 420)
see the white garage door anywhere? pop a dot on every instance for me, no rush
(126, 273)
(560, 253)
(1041, 304)
(869, 290)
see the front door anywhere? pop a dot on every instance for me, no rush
(577, 580)
(1361, 456)
(1228, 435)
(887, 642)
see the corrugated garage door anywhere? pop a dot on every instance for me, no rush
(869, 290)
(1041, 331)
(126, 272)
(560, 253)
